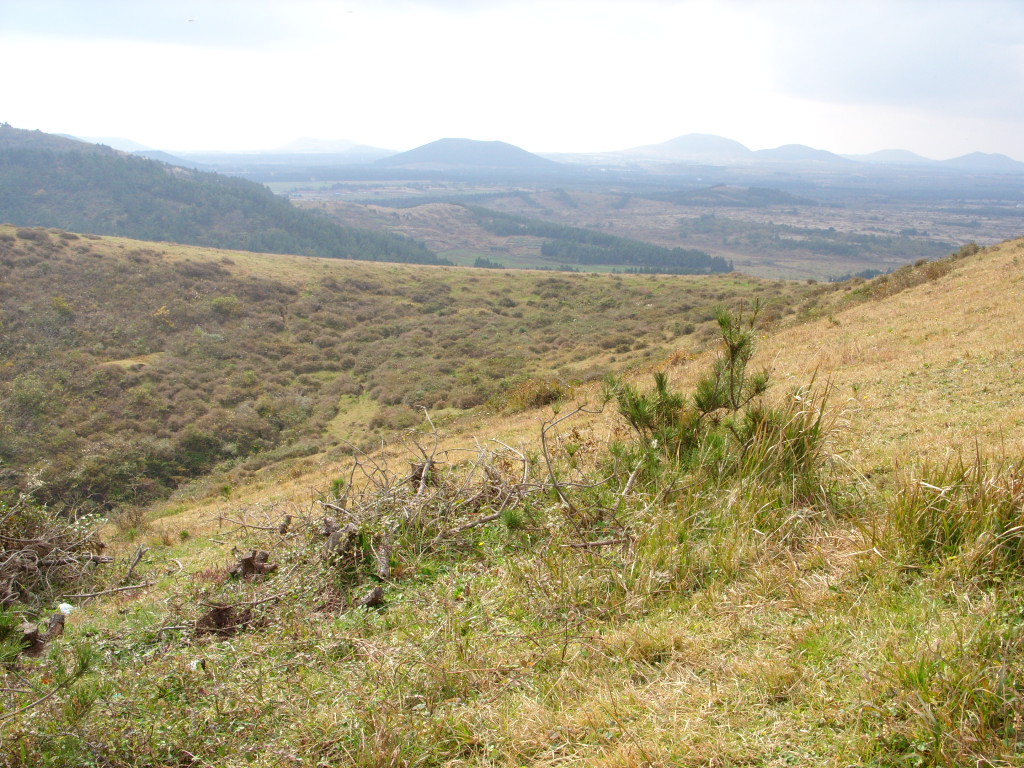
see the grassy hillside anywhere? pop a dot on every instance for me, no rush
(54, 182)
(133, 367)
(689, 574)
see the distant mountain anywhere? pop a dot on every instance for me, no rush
(695, 148)
(467, 154)
(980, 161)
(165, 157)
(115, 142)
(306, 145)
(51, 181)
(798, 154)
(891, 157)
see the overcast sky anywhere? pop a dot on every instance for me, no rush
(938, 77)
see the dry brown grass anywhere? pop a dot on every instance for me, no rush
(928, 370)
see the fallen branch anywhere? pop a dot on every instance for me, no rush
(29, 706)
(250, 525)
(74, 560)
(473, 524)
(86, 595)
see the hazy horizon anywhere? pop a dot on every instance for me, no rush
(127, 144)
(941, 79)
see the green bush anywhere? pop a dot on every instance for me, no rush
(724, 426)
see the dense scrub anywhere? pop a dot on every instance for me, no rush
(130, 368)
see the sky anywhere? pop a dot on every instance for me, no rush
(938, 77)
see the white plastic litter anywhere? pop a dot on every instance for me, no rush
(65, 608)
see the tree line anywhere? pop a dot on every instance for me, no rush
(575, 245)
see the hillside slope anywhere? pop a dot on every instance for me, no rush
(927, 370)
(807, 589)
(50, 181)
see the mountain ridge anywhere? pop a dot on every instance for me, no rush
(457, 153)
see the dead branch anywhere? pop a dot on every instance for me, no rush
(473, 524)
(522, 458)
(135, 561)
(545, 428)
(374, 598)
(249, 525)
(37, 702)
(86, 595)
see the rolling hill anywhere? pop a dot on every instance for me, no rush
(695, 148)
(50, 181)
(133, 367)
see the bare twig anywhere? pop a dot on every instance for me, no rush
(86, 595)
(522, 458)
(35, 703)
(473, 524)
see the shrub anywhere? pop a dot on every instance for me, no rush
(39, 235)
(536, 392)
(678, 427)
(226, 306)
(723, 426)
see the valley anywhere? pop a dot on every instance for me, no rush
(782, 242)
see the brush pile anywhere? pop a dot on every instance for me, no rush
(42, 552)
